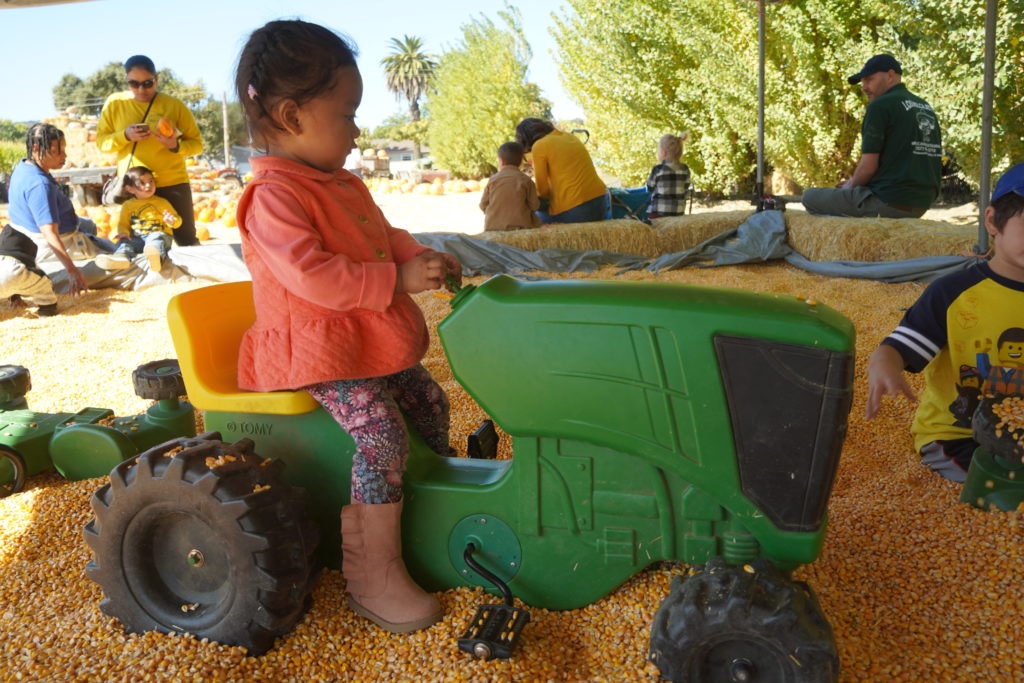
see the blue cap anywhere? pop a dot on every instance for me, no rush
(1011, 181)
(874, 65)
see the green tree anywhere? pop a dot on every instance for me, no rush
(398, 127)
(641, 68)
(65, 92)
(408, 71)
(210, 119)
(480, 94)
(89, 94)
(940, 45)
(13, 132)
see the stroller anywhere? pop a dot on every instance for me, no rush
(629, 203)
(633, 202)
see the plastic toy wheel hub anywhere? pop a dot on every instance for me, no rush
(742, 670)
(180, 562)
(732, 661)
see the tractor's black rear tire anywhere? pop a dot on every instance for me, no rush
(12, 471)
(159, 379)
(15, 382)
(730, 624)
(192, 542)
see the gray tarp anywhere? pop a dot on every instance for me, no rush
(762, 237)
(213, 262)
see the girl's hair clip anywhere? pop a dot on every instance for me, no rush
(252, 92)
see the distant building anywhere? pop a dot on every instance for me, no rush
(402, 154)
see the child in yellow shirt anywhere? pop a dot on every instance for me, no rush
(147, 224)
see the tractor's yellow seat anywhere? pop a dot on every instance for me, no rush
(207, 325)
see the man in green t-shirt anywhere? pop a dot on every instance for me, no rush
(900, 165)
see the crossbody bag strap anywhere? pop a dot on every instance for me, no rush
(144, 115)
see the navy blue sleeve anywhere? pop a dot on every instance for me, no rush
(922, 332)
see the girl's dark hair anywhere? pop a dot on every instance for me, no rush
(530, 130)
(287, 59)
(1005, 208)
(41, 135)
(139, 60)
(134, 175)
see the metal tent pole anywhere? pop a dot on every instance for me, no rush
(991, 10)
(759, 186)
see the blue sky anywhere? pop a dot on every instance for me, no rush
(200, 40)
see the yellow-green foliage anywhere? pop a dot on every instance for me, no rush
(10, 152)
(642, 68)
(480, 94)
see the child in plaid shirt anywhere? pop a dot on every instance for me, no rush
(670, 179)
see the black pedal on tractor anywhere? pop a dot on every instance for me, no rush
(483, 442)
(495, 628)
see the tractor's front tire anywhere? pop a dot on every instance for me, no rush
(158, 380)
(15, 382)
(748, 625)
(201, 537)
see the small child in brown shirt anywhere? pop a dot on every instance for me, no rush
(510, 197)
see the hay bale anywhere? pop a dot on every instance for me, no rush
(678, 233)
(831, 238)
(624, 236)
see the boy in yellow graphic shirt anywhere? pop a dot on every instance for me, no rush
(147, 224)
(966, 333)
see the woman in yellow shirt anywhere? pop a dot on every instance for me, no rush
(122, 127)
(564, 173)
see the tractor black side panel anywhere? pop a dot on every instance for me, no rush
(788, 404)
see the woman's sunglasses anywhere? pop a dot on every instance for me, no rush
(141, 84)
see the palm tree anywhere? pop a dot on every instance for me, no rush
(408, 70)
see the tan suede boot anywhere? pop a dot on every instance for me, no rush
(379, 587)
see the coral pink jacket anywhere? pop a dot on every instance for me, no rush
(323, 261)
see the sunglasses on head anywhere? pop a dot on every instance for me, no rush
(148, 83)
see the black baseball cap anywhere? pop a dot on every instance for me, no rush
(874, 65)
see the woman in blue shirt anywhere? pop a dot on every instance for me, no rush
(39, 208)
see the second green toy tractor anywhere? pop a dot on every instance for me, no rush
(649, 422)
(89, 442)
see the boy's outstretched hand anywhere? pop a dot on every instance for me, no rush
(885, 376)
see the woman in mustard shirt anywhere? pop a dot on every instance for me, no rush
(131, 119)
(564, 173)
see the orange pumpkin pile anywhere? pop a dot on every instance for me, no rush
(437, 187)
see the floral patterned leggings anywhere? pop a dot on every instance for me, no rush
(371, 410)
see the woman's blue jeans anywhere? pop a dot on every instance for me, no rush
(595, 209)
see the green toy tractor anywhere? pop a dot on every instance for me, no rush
(995, 479)
(649, 422)
(90, 442)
